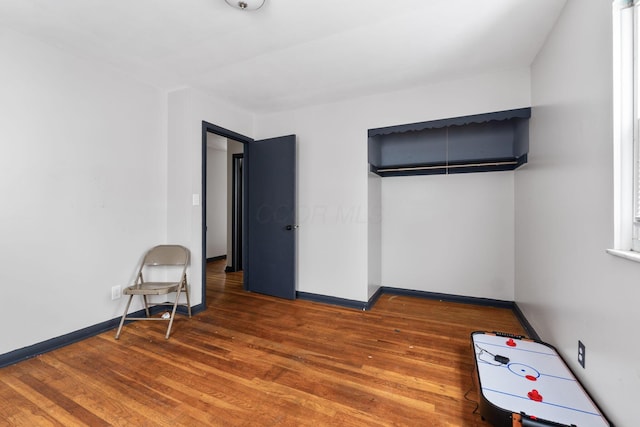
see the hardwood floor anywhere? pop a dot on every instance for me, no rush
(253, 360)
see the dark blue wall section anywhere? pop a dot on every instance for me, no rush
(520, 113)
(413, 148)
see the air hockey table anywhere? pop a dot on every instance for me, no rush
(522, 382)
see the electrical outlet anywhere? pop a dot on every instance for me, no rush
(116, 292)
(581, 353)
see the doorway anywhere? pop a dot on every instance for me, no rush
(222, 137)
(224, 201)
(265, 246)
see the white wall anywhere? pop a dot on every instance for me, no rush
(82, 187)
(452, 234)
(374, 242)
(187, 108)
(332, 197)
(567, 286)
(216, 202)
(333, 171)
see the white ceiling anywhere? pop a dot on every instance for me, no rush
(291, 53)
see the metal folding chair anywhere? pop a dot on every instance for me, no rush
(161, 257)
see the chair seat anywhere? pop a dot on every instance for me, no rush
(152, 288)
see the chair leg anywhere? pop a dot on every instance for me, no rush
(126, 309)
(146, 305)
(186, 291)
(173, 314)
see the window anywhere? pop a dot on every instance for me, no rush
(625, 124)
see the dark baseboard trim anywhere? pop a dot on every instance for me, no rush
(58, 342)
(181, 309)
(217, 258)
(28, 352)
(361, 305)
(342, 302)
(374, 298)
(488, 302)
(525, 323)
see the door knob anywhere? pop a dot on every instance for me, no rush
(291, 227)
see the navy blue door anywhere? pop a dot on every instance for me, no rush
(270, 217)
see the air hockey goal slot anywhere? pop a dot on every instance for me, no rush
(508, 335)
(523, 420)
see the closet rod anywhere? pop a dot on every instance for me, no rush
(468, 165)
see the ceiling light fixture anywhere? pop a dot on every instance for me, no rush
(245, 4)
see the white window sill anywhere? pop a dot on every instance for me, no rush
(630, 255)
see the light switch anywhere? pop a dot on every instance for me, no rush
(196, 200)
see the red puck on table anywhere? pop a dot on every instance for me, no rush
(534, 395)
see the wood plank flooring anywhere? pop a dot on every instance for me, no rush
(253, 360)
